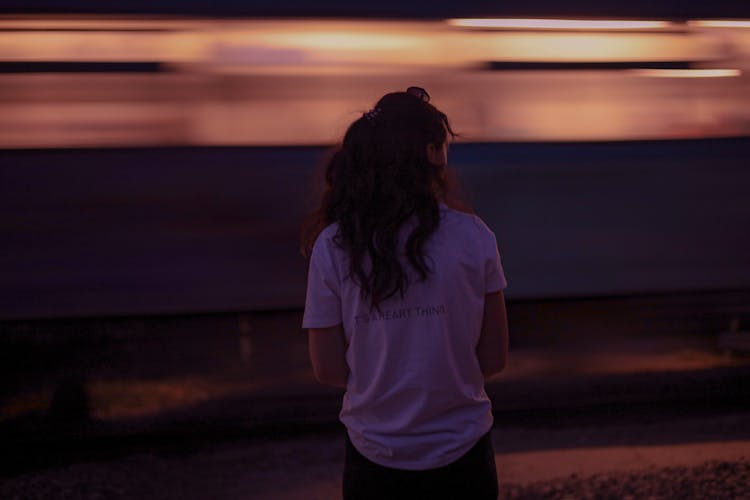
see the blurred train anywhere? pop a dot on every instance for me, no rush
(164, 165)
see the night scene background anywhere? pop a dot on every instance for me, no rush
(157, 160)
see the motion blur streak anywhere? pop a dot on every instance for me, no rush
(718, 23)
(113, 82)
(688, 73)
(556, 24)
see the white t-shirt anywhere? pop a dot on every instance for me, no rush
(415, 395)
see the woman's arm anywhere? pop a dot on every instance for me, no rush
(492, 349)
(327, 348)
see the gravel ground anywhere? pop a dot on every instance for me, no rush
(711, 480)
(641, 456)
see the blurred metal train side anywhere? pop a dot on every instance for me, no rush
(183, 230)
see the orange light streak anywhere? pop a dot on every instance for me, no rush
(688, 73)
(719, 23)
(557, 24)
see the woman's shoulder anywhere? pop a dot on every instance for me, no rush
(463, 221)
(325, 239)
(329, 232)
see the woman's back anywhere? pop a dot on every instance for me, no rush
(405, 309)
(415, 396)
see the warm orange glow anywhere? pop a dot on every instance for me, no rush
(302, 81)
(688, 73)
(98, 23)
(719, 23)
(610, 47)
(557, 24)
(348, 46)
(87, 46)
(342, 40)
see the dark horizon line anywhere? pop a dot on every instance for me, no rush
(414, 9)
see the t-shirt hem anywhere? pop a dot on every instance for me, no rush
(426, 464)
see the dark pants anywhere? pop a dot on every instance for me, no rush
(471, 477)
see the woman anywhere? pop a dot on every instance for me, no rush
(405, 309)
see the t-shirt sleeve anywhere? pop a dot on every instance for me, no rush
(323, 300)
(494, 276)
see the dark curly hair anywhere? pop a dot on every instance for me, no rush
(376, 180)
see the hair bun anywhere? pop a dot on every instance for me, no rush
(419, 93)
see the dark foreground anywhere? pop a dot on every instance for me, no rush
(612, 398)
(713, 479)
(659, 452)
